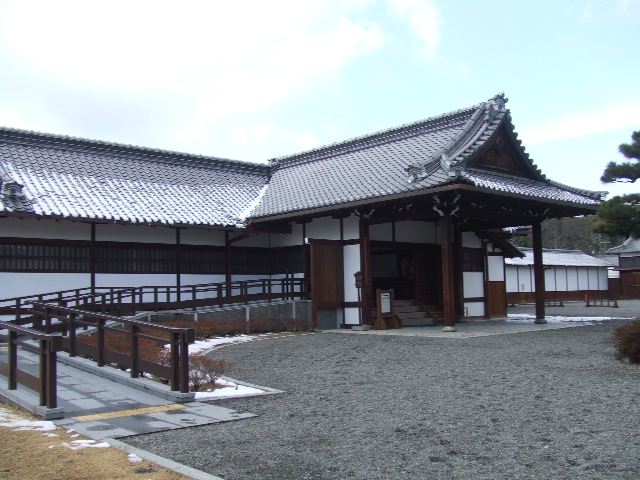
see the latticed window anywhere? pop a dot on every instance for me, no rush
(630, 261)
(472, 261)
(43, 256)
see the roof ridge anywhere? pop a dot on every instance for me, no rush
(380, 137)
(64, 142)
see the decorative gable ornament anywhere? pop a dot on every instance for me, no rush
(475, 132)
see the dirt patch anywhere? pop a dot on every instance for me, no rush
(57, 454)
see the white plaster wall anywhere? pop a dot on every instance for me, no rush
(474, 309)
(603, 278)
(351, 316)
(583, 279)
(549, 280)
(381, 232)
(512, 279)
(19, 284)
(198, 236)
(496, 268)
(473, 284)
(254, 240)
(288, 239)
(325, 228)
(519, 278)
(572, 279)
(561, 279)
(196, 279)
(416, 232)
(471, 240)
(32, 228)
(134, 279)
(114, 232)
(351, 228)
(351, 255)
(594, 279)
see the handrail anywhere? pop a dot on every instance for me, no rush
(46, 383)
(128, 300)
(71, 319)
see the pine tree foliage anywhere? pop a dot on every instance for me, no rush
(625, 172)
(620, 215)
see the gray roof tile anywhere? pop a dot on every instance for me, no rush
(70, 177)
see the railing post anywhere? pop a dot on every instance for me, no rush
(193, 298)
(48, 371)
(100, 341)
(47, 320)
(132, 292)
(175, 359)
(134, 351)
(72, 335)
(18, 309)
(184, 363)
(13, 360)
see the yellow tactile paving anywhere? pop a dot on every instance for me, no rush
(128, 413)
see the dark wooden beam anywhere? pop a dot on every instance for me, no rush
(538, 272)
(448, 277)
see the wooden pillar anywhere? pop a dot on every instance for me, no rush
(178, 263)
(92, 258)
(448, 277)
(538, 272)
(365, 268)
(228, 258)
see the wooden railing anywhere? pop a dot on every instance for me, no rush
(57, 329)
(55, 319)
(46, 383)
(126, 301)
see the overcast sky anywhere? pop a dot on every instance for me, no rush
(253, 80)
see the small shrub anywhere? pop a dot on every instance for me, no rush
(204, 370)
(628, 341)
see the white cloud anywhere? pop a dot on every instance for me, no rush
(229, 57)
(425, 20)
(614, 117)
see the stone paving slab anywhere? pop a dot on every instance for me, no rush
(81, 394)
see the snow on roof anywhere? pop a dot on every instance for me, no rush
(558, 258)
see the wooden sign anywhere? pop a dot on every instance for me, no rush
(386, 317)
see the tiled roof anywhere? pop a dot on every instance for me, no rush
(558, 258)
(630, 245)
(413, 157)
(70, 177)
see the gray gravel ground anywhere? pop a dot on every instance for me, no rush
(541, 405)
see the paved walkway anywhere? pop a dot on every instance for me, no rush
(104, 403)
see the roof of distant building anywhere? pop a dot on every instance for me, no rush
(558, 258)
(630, 245)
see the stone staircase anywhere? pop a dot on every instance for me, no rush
(411, 313)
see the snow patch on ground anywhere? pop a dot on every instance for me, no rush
(527, 318)
(17, 423)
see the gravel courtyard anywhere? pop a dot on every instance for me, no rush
(539, 405)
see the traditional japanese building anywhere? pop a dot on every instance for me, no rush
(569, 275)
(420, 209)
(627, 278)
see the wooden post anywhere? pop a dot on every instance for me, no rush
(184, 363)
(135, 351)
(538, 273)
(448, 277)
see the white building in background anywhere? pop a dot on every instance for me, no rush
(569, 275)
